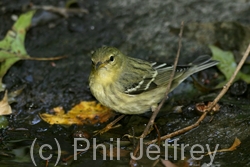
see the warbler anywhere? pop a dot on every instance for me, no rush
(134, 86)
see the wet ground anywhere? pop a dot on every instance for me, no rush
(143, 29)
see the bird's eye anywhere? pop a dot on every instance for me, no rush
(93, 63)
(111, 58)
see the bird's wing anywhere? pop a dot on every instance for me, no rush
(165, 72)
(139, 79)
(147, 77)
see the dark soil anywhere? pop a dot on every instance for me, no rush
(143, 29)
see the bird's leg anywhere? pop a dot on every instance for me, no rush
(109, 126)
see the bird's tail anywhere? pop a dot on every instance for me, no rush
(203, 62)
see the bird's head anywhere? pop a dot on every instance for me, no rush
(107, 58)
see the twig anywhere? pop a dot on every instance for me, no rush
(211, 105)
(27, 57)
(62, 11)
(158, 134)
(109, 126)
(44, 58)
(71, 156)
(151, 121)
(179, 131)
(156, 162)
(46, 163)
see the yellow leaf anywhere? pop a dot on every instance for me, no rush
(232, 148)
(89, 112)
(235, 144)
(5, 108)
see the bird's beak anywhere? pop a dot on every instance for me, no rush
(99, 65)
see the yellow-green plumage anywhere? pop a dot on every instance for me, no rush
(133, 86)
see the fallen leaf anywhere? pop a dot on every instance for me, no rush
(234, 146)
(89, 112)
(202, 107)
(5, 108)
(227, 65)
(12, 47)
(236, 143)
